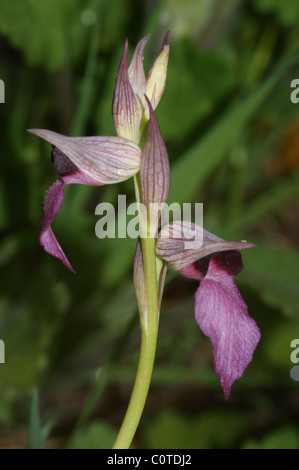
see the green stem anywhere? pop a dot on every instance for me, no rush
(149, 334)
(140, 390)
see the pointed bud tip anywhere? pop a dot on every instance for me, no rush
(148, 101)
(151, 111)
(125, 53)
(41, 132)
(165, 40)
(151, 114)
(247, 245)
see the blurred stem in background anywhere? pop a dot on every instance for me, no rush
(88, 84)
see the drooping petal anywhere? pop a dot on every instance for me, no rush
(154, 169)
(48, 241)
(222, 315)
(136, 71)
(68, 173)
(183, 243)
(83, 160)
(105, 160)
(126, 109)
(156, 79)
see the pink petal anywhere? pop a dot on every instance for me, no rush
(104, 160)
(222, 315)
(136, 70)
(174, 241)
(83, 160)
(69, 173)
(154, 169)
(192, 271)
(126, 110)
(48, 241)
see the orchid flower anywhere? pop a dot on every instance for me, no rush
(103, 160)
(220, 311)
(83, 160)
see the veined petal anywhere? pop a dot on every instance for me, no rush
(156, 79)
(126, 109)
(154, 169)
(105, 160)
(222, 315)
(136, 71)
(183, 243)
(48, 241)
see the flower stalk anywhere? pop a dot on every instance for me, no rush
(132, 88)
(149, 320)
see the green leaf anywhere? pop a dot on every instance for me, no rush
(287, 11)
(172, 430)
(35, 437)
(276, 344)
(273, 273)
(271, 200)
(198, 74)
(187, 18)
(201, 160)
(58, 28)
(98, 435)
(283, 438)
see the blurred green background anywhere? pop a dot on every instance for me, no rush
(232, 135)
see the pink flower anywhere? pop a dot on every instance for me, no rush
(220, 311)
(107, 160)
(83, 160)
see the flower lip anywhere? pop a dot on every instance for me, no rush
(222, 315)
(48, 241)
(220, 311)
(230, 261)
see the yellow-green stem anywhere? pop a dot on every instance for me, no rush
(149, 334)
